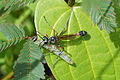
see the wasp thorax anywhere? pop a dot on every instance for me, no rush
(53, 39)
(45, 39)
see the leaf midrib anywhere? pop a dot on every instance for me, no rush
(86, 48)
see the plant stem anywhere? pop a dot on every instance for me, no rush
(8, 76)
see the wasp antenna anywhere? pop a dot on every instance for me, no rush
(48, 23)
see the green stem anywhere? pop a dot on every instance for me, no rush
(8, 76)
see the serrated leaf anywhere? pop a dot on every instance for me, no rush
(10, 35)
(103, 15)
(9, 5)
(28, 65)
(96, 56)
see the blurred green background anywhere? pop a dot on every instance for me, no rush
(22, 16)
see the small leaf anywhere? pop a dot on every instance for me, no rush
(9, 5)
(10, 35)
(28, 65)
(102, 14)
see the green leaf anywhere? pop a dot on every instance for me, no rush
(96, 56)
(103, 15)
(9, 5)
(28, 65)
(10, 35)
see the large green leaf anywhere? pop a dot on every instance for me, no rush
(28, 65)
(95, 56)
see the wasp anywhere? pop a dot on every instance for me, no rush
(52, 48)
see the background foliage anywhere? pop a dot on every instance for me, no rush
(29, 66)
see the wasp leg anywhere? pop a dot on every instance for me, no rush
(54, 31)
(59, 46)
(62, 49)
(66, 25)
(56, 60)
(64, 29)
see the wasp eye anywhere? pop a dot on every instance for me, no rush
(82, 33)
